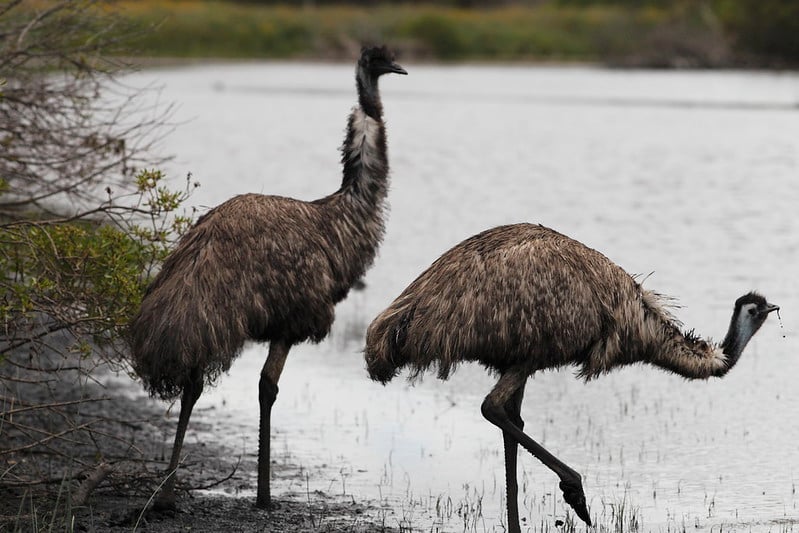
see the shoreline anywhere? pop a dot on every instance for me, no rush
(162, 62)
(132, 441)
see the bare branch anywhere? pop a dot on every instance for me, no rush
(49, 406)
(91, 482)
(8, 7)
(219, 481)
(82, 226)
(48, 438)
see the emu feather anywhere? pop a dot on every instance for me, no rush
(521, 298)
(264, 268)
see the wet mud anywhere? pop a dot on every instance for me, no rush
(107, 427)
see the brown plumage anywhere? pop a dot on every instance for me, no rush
(264, 268)
(256, 267)
(522, 298)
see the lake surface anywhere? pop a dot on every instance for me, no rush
(693, 176)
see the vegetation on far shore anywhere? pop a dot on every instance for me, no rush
(674, 33)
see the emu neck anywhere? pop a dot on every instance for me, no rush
(368, 95)
(734, 343)
(356, 211)
(364, 153)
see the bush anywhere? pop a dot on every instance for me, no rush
(82, 227)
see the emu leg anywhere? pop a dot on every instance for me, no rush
(513, 410)
(493, 409)
(191, 391)
(267, 393)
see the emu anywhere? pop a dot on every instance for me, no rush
(264, 268)
(522, 298)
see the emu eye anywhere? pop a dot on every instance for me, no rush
(752, 311)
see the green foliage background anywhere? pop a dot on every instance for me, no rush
(754, 32)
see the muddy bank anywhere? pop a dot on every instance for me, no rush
(82, 448)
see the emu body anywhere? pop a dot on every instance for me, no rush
(264, 268)
(522, 298)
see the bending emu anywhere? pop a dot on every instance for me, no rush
(264, 268)
(523, 298)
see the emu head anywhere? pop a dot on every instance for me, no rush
(376, 61)
(751, 311)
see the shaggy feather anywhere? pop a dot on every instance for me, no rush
(266, 267)
(526, 296)
(523, 298)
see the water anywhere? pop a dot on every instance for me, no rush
(692, 176)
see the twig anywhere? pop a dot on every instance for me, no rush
(48, 330)
(219, 481)
(152, 495)
(91, 482)
(47, 439)
(50, 405)
(30, 381)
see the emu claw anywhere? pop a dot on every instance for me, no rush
(573, 495)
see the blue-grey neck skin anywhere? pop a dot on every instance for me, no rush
(368, 94)
(733, 344)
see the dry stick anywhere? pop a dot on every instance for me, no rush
(123, 440)
(47, 439)
(90, 483)
(219, 481)
(29, 431)
(50, 405)
(91, 434)
(7, 470)
(27, 483)
(28, 381)
(16, 364)
(160, 485)
(52, 328)
(5, 9)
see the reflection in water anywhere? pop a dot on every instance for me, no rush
(690, 175)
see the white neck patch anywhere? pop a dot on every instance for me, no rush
(364, 138)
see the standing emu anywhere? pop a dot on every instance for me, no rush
(522, 298)
(264, 268)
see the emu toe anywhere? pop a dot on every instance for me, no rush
(573, 495)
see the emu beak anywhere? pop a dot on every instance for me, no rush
(393, 67)
(770, 308)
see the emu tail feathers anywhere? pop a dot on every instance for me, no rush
(171, 340)
(385, 340)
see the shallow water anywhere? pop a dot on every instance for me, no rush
(691, 175)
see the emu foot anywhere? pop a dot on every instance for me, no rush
(573, 495)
